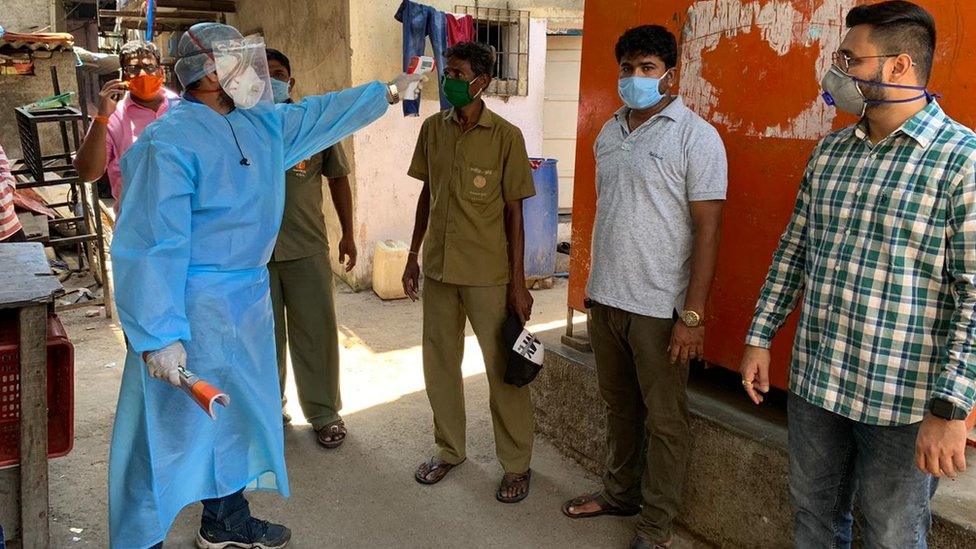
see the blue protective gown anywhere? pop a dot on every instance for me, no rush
(189, 256)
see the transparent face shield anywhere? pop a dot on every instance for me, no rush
(242, 70)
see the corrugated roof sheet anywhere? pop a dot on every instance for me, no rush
(49, 41)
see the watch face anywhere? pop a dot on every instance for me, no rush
(691, 318)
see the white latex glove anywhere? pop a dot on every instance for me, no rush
(165, 363)
(404, 80)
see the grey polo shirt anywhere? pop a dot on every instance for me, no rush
(643, 233)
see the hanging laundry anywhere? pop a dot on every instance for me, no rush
(460, 28)
(420, 22)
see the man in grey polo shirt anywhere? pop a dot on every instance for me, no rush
(661, 180)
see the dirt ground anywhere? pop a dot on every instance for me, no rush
(363, 494)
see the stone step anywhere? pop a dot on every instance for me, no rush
(737, 493)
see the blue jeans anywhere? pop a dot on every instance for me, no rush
(228, 513)
(834, 460)
(419, 22)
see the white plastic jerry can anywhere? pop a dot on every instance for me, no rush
(389, 260)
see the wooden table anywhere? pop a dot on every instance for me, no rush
(27, 285)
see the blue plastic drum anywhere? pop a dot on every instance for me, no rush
(541, 220)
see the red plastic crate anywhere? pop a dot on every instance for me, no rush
(60, 389)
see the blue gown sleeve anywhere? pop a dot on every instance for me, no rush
(319, 121)
(151, 246)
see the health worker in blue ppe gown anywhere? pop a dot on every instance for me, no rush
(204, 194)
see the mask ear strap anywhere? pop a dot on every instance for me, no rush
(475, 96)
(885, 85)
(927, 96)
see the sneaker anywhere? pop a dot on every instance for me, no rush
(254, 534)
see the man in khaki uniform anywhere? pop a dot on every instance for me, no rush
(475, 172)
(301, 277)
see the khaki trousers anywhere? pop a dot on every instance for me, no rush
(305, 327)
(646, 402)
(446, 306)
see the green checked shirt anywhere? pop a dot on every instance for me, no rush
(882, 246)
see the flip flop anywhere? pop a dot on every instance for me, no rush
(434, 465)
(335, 431)
(605, 507)
(510, 480)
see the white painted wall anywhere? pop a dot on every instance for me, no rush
(709, 22)
(385, 196)
(561, 108)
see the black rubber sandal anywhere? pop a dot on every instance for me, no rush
(509, 480)
(434, 465)
(605, 507)
(335, 431)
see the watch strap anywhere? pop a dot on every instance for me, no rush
(947, 410)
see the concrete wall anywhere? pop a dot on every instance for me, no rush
(25, 16)
(21, 90)
(314, 36)
(385, 196)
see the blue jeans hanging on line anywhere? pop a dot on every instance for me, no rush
(419, 22)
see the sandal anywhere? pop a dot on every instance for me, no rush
(640, 542)
(510, 480)
(605, 507)
(436, 466)
(335, 432)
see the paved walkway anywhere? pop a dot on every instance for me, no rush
(363, 494)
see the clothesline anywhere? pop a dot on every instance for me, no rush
(422, 22)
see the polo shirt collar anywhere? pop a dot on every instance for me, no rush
(676, 111)
(923, 127)
(486, 120)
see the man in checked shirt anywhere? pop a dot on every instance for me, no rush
(882, 247)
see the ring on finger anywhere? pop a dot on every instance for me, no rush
(746, 383)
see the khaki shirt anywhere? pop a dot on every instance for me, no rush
(471, 177)
(303, 232)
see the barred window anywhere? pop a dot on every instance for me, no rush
(508, 32)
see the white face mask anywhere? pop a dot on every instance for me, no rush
(246, 89)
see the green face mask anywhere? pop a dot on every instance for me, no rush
(457, 92)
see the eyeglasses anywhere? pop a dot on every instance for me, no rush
(133, 71)
(844, 61)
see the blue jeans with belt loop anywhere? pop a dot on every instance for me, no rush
(836, 461)
(419, 22)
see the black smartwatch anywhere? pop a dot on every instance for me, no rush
(946, 410)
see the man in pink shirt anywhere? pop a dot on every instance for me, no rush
(10, 229)
(119, 123)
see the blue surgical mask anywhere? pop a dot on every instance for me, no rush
(279, 90)
(640, 92)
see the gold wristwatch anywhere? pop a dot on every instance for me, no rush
(692, 319)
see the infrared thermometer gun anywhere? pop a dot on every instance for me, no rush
(203, 393)
(418, 65)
